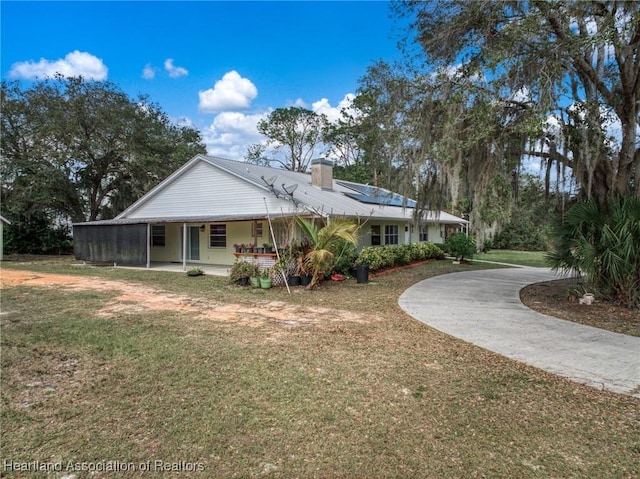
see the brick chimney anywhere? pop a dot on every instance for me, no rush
(322, 173)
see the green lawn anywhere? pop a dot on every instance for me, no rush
(523, 258)
(342, 385)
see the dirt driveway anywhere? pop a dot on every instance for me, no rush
(137, 298)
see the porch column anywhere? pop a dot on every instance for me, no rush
(148, 245)
(255, 232)
(184, 246)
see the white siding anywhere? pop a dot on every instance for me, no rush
(204, 190)
(237, 232)
(433, 233)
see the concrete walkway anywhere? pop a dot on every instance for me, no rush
(484, 308)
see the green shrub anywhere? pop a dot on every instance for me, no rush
(375, 257)
(521, 234)
(34, 234)
(345, 255)
(402, 255)
(442, 247)
(431, 250)
(243, 269)
(461, 246)
(388, 256)
(415, 251)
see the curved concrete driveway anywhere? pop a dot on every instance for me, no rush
(484, 308)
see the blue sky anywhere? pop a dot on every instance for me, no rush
(219, 66)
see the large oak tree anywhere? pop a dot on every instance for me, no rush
(577, 61)
(77, 150)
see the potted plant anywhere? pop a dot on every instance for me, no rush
(238, 247)
(195, 272)
(265, 279)
(293, 280)
(268, 248)
(299, 252)
(301, 271)
(241, 271)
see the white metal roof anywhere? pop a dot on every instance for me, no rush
(268, 182)
(327, 202)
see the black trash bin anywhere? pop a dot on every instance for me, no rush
(362, 273)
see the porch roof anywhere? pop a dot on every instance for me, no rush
(444, 218)
(185, 219)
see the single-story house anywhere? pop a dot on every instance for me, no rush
(208, 206)
(3, 221)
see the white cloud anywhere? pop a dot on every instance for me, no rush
(231, 133)
(323, 107)
(610, 123)
(300, 103)
(231, 93)
(148, 72)
(456, 72)
(553, 125)
(449, 71)
(183, 121)
(174, 71)
(523, 95)
(75, 63)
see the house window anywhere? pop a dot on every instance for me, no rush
(390, 234)
(424, 233)
(158, 235)
(375, 235)
(218, 236)
(256, 229)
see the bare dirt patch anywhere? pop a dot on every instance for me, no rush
(552, 298)
(134, 298)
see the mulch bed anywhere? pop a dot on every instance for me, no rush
(554, 299)
(398, 268)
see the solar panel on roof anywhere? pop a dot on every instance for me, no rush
(376, 196)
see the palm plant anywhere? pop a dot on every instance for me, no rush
(604, 244)
(321, 258)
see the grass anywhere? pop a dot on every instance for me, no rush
(522, 258)
(380, 396)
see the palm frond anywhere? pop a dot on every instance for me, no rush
(603, 243)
